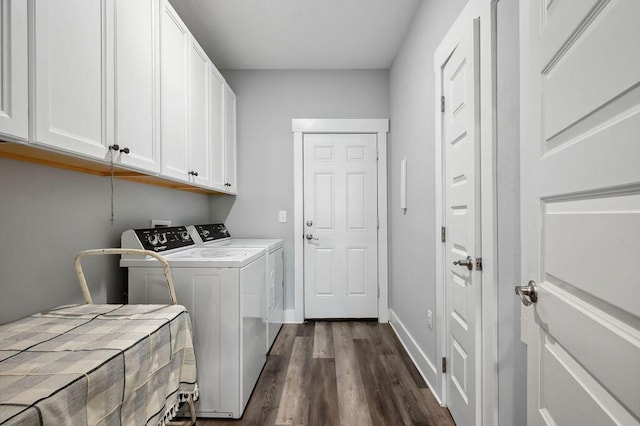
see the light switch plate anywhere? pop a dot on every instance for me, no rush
(282, 216)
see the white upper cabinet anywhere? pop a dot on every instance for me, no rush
(71, 87)
(137, 84)
(116, 80)
(174, 53)
(14, 95)
(230, 140)
(216, 128)
(199, 142)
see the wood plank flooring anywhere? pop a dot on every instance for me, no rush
(348, 373)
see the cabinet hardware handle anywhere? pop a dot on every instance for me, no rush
(114, 147)
(125, 150)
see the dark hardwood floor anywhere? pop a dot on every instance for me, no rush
(339, 373)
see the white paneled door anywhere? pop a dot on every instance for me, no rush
(340, 215)
(580, 194)
(462, 220)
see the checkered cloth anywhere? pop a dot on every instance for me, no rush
(97, 364)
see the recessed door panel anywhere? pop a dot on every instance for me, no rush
(324, 205)
(356, 262)
(356, 201)
(325, 269)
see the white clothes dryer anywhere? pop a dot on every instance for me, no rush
(223, 290)
(217, 235)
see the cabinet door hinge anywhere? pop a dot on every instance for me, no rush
(478, 264)
(378, 222)
(441, 103)
(443, 234)
(444, 364)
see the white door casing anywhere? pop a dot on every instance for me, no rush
(580, 211)
(482, 13)
(461, 155)
(340, 214)
(301, 128)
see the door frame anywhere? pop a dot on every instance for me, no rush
(300, 127)
(487, 374)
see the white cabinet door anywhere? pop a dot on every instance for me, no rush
(199, 155)
(71, 76)
(174, 52)
(14, 94)
(137, 84)
(230, 140)
(216, 127)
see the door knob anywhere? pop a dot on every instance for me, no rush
(310, 237)
(468, 262)
(528, 293)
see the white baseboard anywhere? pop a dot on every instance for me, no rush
(424, 365)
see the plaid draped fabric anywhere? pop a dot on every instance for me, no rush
(96, 365)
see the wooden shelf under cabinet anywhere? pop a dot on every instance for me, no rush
(36, 155)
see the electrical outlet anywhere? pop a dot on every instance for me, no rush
(282, 216)
(430, 319)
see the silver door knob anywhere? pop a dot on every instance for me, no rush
(310, 237)
(528, 293)
(468, 262)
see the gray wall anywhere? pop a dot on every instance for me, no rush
(412, 235)
(511, 351)
(49, 215)
(267, 101)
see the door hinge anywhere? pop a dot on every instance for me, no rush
(378, 222)
(441, 103)
(444, 364)
(443, 234)
(478, 264)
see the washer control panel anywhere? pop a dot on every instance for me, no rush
(212, 232)
(163, 239)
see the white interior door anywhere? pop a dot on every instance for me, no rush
(581, 210)
(340, 211)
(461, 152)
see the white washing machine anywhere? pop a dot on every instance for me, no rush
(223, 288)
(217, 235)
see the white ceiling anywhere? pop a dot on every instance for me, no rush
(299, 34)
